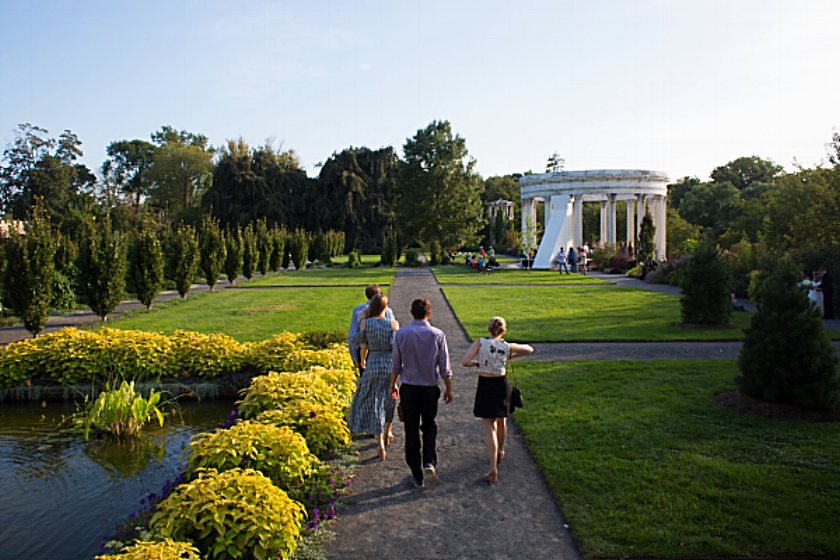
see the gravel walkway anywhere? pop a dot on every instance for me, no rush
(463, 517)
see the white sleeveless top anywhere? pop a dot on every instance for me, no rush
(492, 356)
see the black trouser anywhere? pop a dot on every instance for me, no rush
(419, 403)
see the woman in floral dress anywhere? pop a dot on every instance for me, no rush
(372, 410)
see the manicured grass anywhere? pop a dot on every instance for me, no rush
(369, 260)
(462, 275)
(542, 314)
(251, 315)
(327, 277)
(645, 465)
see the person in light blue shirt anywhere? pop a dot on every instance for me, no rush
(356, 324)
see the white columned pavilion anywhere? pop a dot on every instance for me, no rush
(565, 192)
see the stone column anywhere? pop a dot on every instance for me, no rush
(526, 207)
(664, 228)
(640, 214)
(660, 222)
(631, 227)
(603, 221)
(611, 219)
(548, 209)
(577, 241)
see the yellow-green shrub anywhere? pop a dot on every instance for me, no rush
(323, 427)
(276, 389)
(323, 338)
(235, 514)
(67, 356)
(206, 355)
(291, 352)
(344, 380)
(143, 355)
(164, 550)
(274, 451)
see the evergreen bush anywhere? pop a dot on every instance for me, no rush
(390, 248)
(354, 258)
(299, 248)
(145, 265)
(102, 267)
(706, 284)
(276, 259)
(212, 251)
(233, 255)
(249, 252)
(411, 257)
(434, 253)
(28, 276)
(787, 356)
(183, 258)
(265, 246)
(647, 233)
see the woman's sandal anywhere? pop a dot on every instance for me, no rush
(491, 477)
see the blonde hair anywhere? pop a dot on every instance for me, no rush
(497, 326)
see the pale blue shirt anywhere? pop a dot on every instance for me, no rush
(356, 327)
(420, 355)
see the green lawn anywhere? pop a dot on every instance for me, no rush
(251, 315)
(327, 277)
(366, 259)
(542, 314)
(645, 465)
(462, 275)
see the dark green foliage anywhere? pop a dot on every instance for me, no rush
(249, 252)
(265, 246)
(499, 229)
(354, 259)
(787, 356)
(63, 298)
(65, 254)
(299, 248)
(411, 257)
(233, 254)
(438, 192)
(390, 248)
(335, 242)
(647, 231)
(275, 261)
(212, 251)
(317, 245)
(325, 258)
(145, 265)
(183, 258)
(102, 267)
(28, 276)
(706, 286)
(434, 252)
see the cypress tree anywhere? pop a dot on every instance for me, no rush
(29, 271)
(647, 231)
(787, 356)
(102, 267)
(706, 286)
(276, 259)
(299, 248)
(265, 245)
(233, 255)
(145, 265)
(183, 258)
(212, 251)
(249, 252)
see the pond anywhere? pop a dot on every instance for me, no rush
(58, 501)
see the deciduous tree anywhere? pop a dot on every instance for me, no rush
(102, 268)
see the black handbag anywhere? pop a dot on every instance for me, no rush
(516, 400)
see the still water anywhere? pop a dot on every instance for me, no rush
(58, 501)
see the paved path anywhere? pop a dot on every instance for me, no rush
(463, 517)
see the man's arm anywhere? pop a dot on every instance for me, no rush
(445, 369)
(396, 368)
(354, 348)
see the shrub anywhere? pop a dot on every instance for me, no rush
(265, 246)
(277, 452)
(206, 355)
(434, 252)
(167, 549)
(279, 247)
(620, 262)
(786, 355)
(322, 339)
(275, 390)
(212, 251)
(706, 285)
(298, 243)
(290, 352)
(145, 266)
(325, 258)
(445, 259)
(411, 257)
(635, 272)
(250, 254)
(29, 271)
(354, 259)
(63, 298)
(236, 514)
(233, 255)
(183, 258)
(323, 427)
(654, 277)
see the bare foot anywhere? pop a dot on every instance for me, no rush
(491, 477)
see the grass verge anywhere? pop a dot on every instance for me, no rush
(250, 315)
(542, 314)
(645, 465)
(325, 277)
(461, 275)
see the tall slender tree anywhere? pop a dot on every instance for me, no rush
(145, 264)
(233, 254)
(102, 268)
(183, 258)
(212, 251)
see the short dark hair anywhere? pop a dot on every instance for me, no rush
(420, 308)
(372, 290)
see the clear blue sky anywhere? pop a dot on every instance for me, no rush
(680, 86)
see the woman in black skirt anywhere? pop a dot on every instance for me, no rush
(492, 397)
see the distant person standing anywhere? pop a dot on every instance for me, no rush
(356, 324)
(561, 261)
(420, 359)
(572, 257)
(828, 294)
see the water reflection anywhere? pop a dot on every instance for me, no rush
(58, 500)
